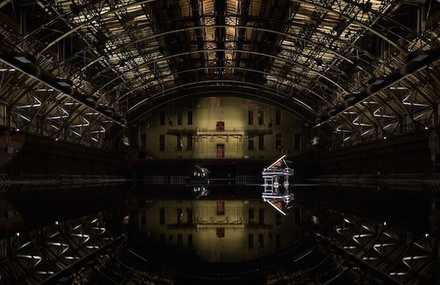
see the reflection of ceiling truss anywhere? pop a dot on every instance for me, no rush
(404, 256)
(72, 69)
(42, 255)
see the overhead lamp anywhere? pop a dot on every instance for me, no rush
(125, 141)
(350, 99)
(331, 111)
(91, 102)
(25, 58)
(110, 111)
(378, 80)
(398, 87)
(417, 56)
(64, 82)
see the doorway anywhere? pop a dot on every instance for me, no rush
(220, 150)
(220, 126)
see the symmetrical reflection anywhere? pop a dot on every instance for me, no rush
(275, 177)
(227, 230)
(50, 230)
(166, 234)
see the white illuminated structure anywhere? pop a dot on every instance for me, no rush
(276, 184)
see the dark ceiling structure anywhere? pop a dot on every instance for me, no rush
(356, 70)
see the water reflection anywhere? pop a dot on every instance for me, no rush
(32, 204)
(220, 220)
(358, 228)
(216, 230)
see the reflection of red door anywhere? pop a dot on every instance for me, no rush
(220, 151)
(220, 207)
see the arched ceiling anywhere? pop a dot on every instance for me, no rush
(356, 70)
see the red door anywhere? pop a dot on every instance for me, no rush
(220, 151)
(220, 126)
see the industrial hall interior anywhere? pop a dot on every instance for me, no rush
(219, 142)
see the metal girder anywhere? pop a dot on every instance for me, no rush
(312, 53)
(417, 61)
(348, 18)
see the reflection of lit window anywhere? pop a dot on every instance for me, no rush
(278, 117)
(179, 216)
(190, 241)
(278, 141)
(179, 143)
(162, 142)
(162, 216)
(278, 219)
(251, 241)
(260, 142)
(189, 216)
(162, 118)
(260, 241)
(179, 240)
(189, 142)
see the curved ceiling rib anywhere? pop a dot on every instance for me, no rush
(310, 56)
(355, 21)
(234, 89)
(418, 61)
(89, 21)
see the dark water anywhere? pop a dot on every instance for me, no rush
(366, 222)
